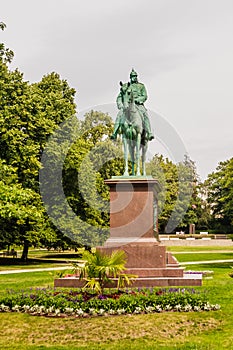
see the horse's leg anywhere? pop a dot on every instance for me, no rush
(131, 151)
(125, 144)
(144, 150)
(138, 145)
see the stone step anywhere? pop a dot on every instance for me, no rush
(187, 280)
(156, 272)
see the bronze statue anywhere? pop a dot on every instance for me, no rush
(133, 123)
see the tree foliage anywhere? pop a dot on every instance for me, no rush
(178, 200)
(91, 159)
(219, 190)
(29, 114)
(6, 55)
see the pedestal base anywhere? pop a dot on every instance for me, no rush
(133, 222)
(152, 265)
(143, 282)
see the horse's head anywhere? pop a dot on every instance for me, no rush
(124, 93)
(127, 96)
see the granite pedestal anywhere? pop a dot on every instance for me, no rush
(133, 229)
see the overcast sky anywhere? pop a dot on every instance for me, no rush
(181, 49)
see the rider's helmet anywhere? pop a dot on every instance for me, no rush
(133, 73)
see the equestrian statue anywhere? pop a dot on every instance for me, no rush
(133, 124)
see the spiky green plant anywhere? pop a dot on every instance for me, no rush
(99, 268)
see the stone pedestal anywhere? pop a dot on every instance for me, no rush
(133, 210)
(134, 227)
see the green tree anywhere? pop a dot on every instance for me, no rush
(189, 200)
(178, 200)
(22, 218)
(29, 114)
(165, 171)
(91, 159)
(204, 214)
(219, 189)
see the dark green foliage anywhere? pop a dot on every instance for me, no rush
(91, 159)
(178, 200)
(219, 190)
(29, 113)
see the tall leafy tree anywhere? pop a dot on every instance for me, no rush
(165, 171)
(29, 114)
(204, 212)
(178, 200)
(219, 189)
(22, 217)
(92, 159)
(190, 200)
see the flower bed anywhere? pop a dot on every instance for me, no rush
(78, 303)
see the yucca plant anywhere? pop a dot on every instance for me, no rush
(99, 268)
(125, 279)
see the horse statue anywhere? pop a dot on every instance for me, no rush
(133, 133)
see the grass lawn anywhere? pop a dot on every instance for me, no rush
(30, 265)
(209, 249)
(38, 258)
(26, 280)
(211, 330)
(201, 256)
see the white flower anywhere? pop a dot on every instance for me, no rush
(178, 307)
(149, 309)
(92, 311)
(207, 307)
(197, 308)
(4, 308)
(33, 309)
(216, 307)
(26, 308)
(137, 310)
(69, 310)
(101, 312)
(168, 307)
(50, 309)
(120, 311)
(16, 308)
(111, 312)
(188, 308)
(158, 308)
(57, 312)
(41, 309)
(79, 312)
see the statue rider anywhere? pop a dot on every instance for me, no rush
(140, 96)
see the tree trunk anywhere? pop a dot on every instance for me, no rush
(24, 256)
